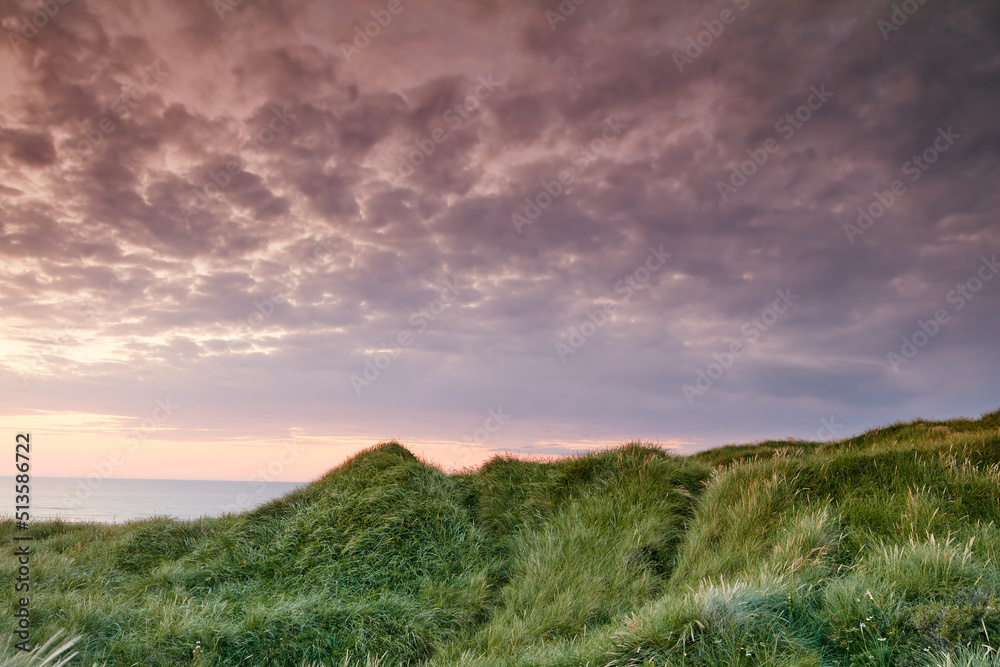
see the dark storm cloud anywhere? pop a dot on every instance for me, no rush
(272, 205)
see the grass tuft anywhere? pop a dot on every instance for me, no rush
(880, 549)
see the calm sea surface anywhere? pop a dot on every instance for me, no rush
(121, 500)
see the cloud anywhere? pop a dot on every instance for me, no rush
(261, 162)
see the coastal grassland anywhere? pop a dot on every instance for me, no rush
(881, 549)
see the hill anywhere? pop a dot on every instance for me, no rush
(880, 549)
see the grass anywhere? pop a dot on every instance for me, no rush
(880, 549)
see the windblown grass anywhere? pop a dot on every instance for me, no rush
(880, 549)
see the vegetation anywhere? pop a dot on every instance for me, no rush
(881, 549)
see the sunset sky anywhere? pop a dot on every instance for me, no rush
(240, 232)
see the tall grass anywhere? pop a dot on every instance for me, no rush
(53, 653)
(880, 549)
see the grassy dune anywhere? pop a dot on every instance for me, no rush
(883, 549)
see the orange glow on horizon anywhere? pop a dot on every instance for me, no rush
(69, 444)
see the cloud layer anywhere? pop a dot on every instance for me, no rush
(389, 218)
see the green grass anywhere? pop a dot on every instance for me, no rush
(881, 549)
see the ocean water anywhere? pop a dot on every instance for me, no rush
(121, 500)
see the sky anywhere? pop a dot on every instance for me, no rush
(244, 239)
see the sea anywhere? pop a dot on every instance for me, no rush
(122, 500)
